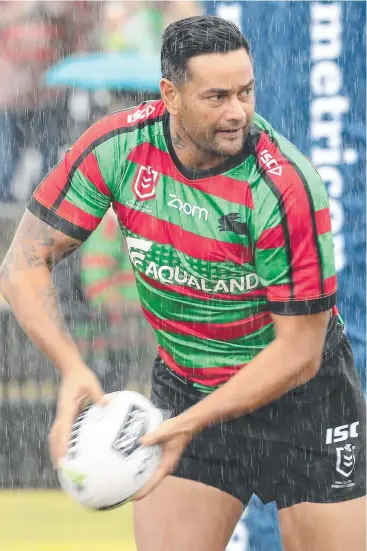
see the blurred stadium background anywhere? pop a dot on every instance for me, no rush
(62, 66)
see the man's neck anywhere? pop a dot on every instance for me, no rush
(187, 152)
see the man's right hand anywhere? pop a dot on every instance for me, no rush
(78, 388)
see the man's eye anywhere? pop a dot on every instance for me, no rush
(246, 93)
(217, 97)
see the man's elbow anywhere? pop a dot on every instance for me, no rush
(309, 356)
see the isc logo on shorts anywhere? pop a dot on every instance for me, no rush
(338, 434)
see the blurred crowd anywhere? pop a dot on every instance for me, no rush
(96, 284)
(35, 122)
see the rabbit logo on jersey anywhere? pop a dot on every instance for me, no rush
(178, 276)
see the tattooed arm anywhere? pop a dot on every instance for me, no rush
(26, 283)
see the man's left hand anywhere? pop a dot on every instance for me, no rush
(173, 435)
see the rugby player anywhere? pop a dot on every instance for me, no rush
(229, 234)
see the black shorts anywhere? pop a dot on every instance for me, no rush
(307, 446)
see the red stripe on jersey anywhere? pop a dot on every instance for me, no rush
(209, 376)
(271, 238)
(305, 260)
(90, 169)
(330, 285)
(77, 216)
(195, 293)
(51, 187)
(282, 293)
(236, 191)
(205, 330)
(166, 233)
(323, 221)
(279, 293)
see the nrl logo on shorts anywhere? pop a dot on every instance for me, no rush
(345, 460)
(134, 427)
(145, 182)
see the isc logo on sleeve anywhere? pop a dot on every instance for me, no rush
(140, 114)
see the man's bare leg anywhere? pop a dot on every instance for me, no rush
(183, 515)
(324, 526)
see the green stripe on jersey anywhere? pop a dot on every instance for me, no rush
(185, 308)
(274, 266)
(327, 256)
(86, 196)
(195, 352)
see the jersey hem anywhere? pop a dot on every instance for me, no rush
(53, 219)
(302, 307)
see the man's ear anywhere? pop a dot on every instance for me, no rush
(170, 95)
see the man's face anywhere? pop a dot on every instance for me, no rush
(217, 102)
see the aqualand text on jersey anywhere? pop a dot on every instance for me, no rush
(214, 251)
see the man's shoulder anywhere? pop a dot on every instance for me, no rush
(132, 118)
(129, 122)
(274, 151)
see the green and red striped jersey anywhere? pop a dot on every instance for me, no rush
(214, 252)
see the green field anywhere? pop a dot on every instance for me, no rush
(50, 521)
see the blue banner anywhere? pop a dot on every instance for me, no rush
(310, 68)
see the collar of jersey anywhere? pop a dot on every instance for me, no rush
(191, 174)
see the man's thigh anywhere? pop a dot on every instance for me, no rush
(183, 515)
(325, 526)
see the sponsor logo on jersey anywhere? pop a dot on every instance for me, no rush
(178, 276)
(190, 210)
(269, 164)
(135, 256)
(231, 222)
(145, 182)
(140, 114)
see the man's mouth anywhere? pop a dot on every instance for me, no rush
(232, 132)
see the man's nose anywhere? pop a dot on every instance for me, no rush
(235, 111)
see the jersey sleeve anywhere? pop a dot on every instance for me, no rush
(75, 195)
(293, 243)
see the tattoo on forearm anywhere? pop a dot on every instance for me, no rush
(51, 303)
(31, 256)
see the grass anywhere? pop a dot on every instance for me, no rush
(47, 520)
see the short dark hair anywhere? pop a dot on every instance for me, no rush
(195, 36)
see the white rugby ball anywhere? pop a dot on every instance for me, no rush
(105, 465)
